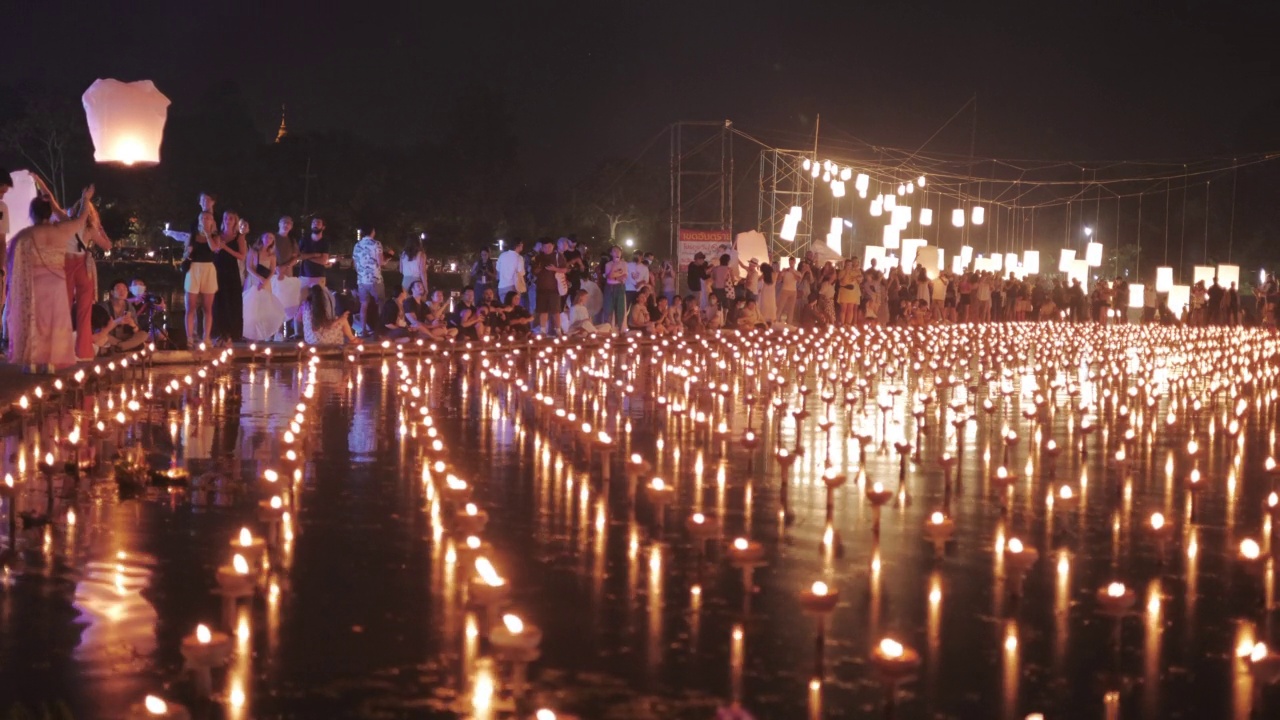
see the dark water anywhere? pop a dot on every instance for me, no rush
(362, 614)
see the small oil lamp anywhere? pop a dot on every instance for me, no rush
(702, 528)
(1162, 531)
(1116, 599)
(894, 663)
(1019, 560)
(516, 641)
(253, 548)
(471, 520)
(1263, 663)
(938, 530)
(235, 581)
(1252, 556)
(153, 707)
(204, 650)
(878, 495)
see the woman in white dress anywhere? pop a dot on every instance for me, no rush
(264, 314)
(768, 303)
(413, 264)
(41, 338)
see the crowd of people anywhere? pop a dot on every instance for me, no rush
(273, 286)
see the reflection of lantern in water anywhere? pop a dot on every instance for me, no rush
(126, 121)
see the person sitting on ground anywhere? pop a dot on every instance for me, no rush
(639, 319)
(119, 331)
(675, 315)
(437, 318)
(515, 317)
(319, 326)
(749, 317)
(712, 318)
(580, 318)
(659, 313)
(391, 316)
(691, 318)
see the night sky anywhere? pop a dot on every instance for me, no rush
(1055, 80)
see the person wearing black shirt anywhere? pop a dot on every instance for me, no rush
(1216, 294)
(313, 252)
(516, 318)
(391, 318)
(696, 277)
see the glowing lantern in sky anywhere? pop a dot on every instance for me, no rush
(979, 215)
(1228, 274)
(1093, 254)
(957, 217)
(891, 235)
(926, 216)
(126, 121)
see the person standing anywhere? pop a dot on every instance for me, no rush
(262, 314)
(287, 288)
(6, 184)
(202, 276)
(510, 270)
(696, 276)
(484, 275)
(39, 319)
(82, 276)
(787, 284)
(313, 257)
(545, 268)
(368, 257)
(637, 277)
(768, 303)
(614, 312)
(413, 262)
(571, 258)
(228, 302)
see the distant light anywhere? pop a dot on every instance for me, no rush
(1088, 231)
(630, 242)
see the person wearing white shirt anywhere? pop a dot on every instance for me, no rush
(637, 277)
(510, 268)
(580, 319)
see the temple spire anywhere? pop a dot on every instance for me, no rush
(283, 131)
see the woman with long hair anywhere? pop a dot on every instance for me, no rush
(319, 326)
(413, 263)
(262, 312)
(228, 301)
(39, 319)
(767, 303)
(668, 277)
(850, 295)
(202, 276)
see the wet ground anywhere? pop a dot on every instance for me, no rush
(361, 614)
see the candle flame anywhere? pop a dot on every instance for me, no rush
(1249, 549)
(699, 518)
(937, 518)
(246, 538)
(741, 544)
(473, 542)
(1015, 546)
(276, 502)
(472, 510)
(240, 564)
(1259, 652)
(891, 648)
(488, 574)
(155, 705)
(203, 636)
(514, 624)
(1065, 492)
(820, 589)
(1157, 521)
(658, 484)
(1115, 590)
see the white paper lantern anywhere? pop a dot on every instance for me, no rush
(920, 181)
(891, 235)
(926, 216)
(1179, 297)
(833, 242)
(22, 190)
(1011, 261)
(873, 252)
(1031, 261)
(1137, 294)
(957, 217)
(890, 202)
(1228, 274)
(901, 216)
(910, 188)
(789, 227)
(1093, 254)
(902, 189)
(846, 173)
(1164, 279)
(796, 212)
(126, 121)
(877, 207)
(1204, 274)
(932, 259)
(862, 183)
(837, 225)
(979, 215)
(1080, 271)
(910, 246)
(957, 265)
(966, 252)
(808, 163)
(816, 170)
(1065, 259)
(837, 188)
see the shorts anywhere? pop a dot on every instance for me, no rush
(547, 300)
(202, 279)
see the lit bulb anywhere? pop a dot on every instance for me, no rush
(1157, 521)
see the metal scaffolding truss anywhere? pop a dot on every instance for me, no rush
(785, 184)
(701, 177)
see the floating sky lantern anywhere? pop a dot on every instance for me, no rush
(979, 215)
(957, 217)
(126, 121)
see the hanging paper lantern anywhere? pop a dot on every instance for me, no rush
(926, 216)
(796, 212)
(877, 207)
(1228, 275)
(910, 188)
(1093, 254)
(902, 216)
(837, 188)
(126, 121)
(1136, 295)
(1066, 260)
(1204, 274)
(902, 189)
(807, 163)
(891, 235)
(789, 227)
(920, 181)
(846, 173)
(1164, 279)
(833, 242)
(837, 225)
(862, 183)
(966, 252)
(890, 202)
(957, 217)
(1179, 297)
(1031, 261)
(979, 214)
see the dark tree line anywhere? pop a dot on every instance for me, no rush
(465, 190)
